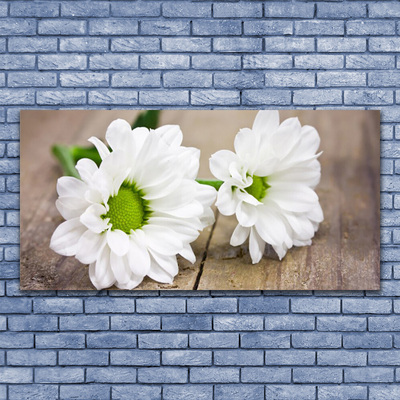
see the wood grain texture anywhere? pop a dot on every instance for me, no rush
(345, 251)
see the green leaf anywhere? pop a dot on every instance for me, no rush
(147, 119)
(64, 156)
(78, 152)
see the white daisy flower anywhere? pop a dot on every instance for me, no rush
(133, 214)
(269, 184)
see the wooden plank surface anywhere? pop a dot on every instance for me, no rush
(345, 251)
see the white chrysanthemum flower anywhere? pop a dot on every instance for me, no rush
(269, 183)
(133, 214)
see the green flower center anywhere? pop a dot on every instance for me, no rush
(258, 188)
(127, 210)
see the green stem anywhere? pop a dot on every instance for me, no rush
(64, 156)
(211, 182)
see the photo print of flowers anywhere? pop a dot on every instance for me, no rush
(200, 200)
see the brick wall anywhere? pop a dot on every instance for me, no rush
(199, 345)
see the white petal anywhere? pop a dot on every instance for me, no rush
(167, 263)
(118, 242)
(301, 226)
(246, 214)
(316, 214)
(189, 159)
(246, 145)
(65, 238)
(91, 218)
(138, 258)
(102, 149)
(270, 226)
(119, 134)
(219, 163)
(266, 122)
(239, 235)
(187, 253)
(71, 207)
(103, 271)
(286, 137)
(206, 194)
(71, 187)
(159, 274)
(89, 247)
(280, 250)
(170, 134)
(120, 268)
(226, 200)
(208, 218)
(162, 240)
(256, 246)
(242, 195)
(134, 281)
(86, 168)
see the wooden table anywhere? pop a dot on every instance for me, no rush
(345, 251)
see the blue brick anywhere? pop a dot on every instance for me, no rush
(188, 10)
(108, 96)
(326, 306)
(367, 306)
(88, 45)
(32, 45)
(263, 375)
(135, 44)
(342, 358)
(61, 61)
(114, 61)
(242, 392)
(384, 10)
(109, 306)
(387, 44)
(396, 273)
(136, 391)
(111, 340)
(97, 391)
(19, 26)
(165, 27)
(179, 392)
(289, 79)
(263, 305)
(342, 78)
(269, 97)
(237, 10)
(214, 62)
(136, 79)
(84, 79)
(156, 98)
(57, 306)
(15, 306)
(348, 392)
(319, 61)
(34, 9)
(289, 323)
(9, 270)
(341, 323)
(135, 357)
(217, 27)
(217, 97)
(164, 306)
(386, 272)
(365, 27)
(3, 323)
(61, 27)
(10, 132)
(317, 375)
(13, 184)
(369, 61)
(17, 61)
(193, 45)
(129, 9)
(261, 340)
(382, 392)
(16, 340)
(290, 357)
(32, 322)
(163, 340)
(345, 10)
(11, 254)
(384, 357)
(288, 10)
(187, 79)
(269, 27)
(369, 375)
(135, 322)
(31, 357)
(288, 44)
(317, 27)
(241, 323)
(368, 97)
(214, 340)
(13, 150)
(367, 341)
(387, 167)
(214, 375)
(162, 375)
(110, 375)
(37, 392)
(238, 357)
(59, 375)
(16, 375)
(111, 26)
(187, 323)
(186, 357)
(237, 45)
(164, 61)
(3, 9)
(83, 357)
(84, 9)
(289, 392)
(212, 305)
(386, 323)
(341, 45)
(84, 322)
(64, 97)
(316, 340)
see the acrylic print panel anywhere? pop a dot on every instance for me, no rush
(344, 254)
